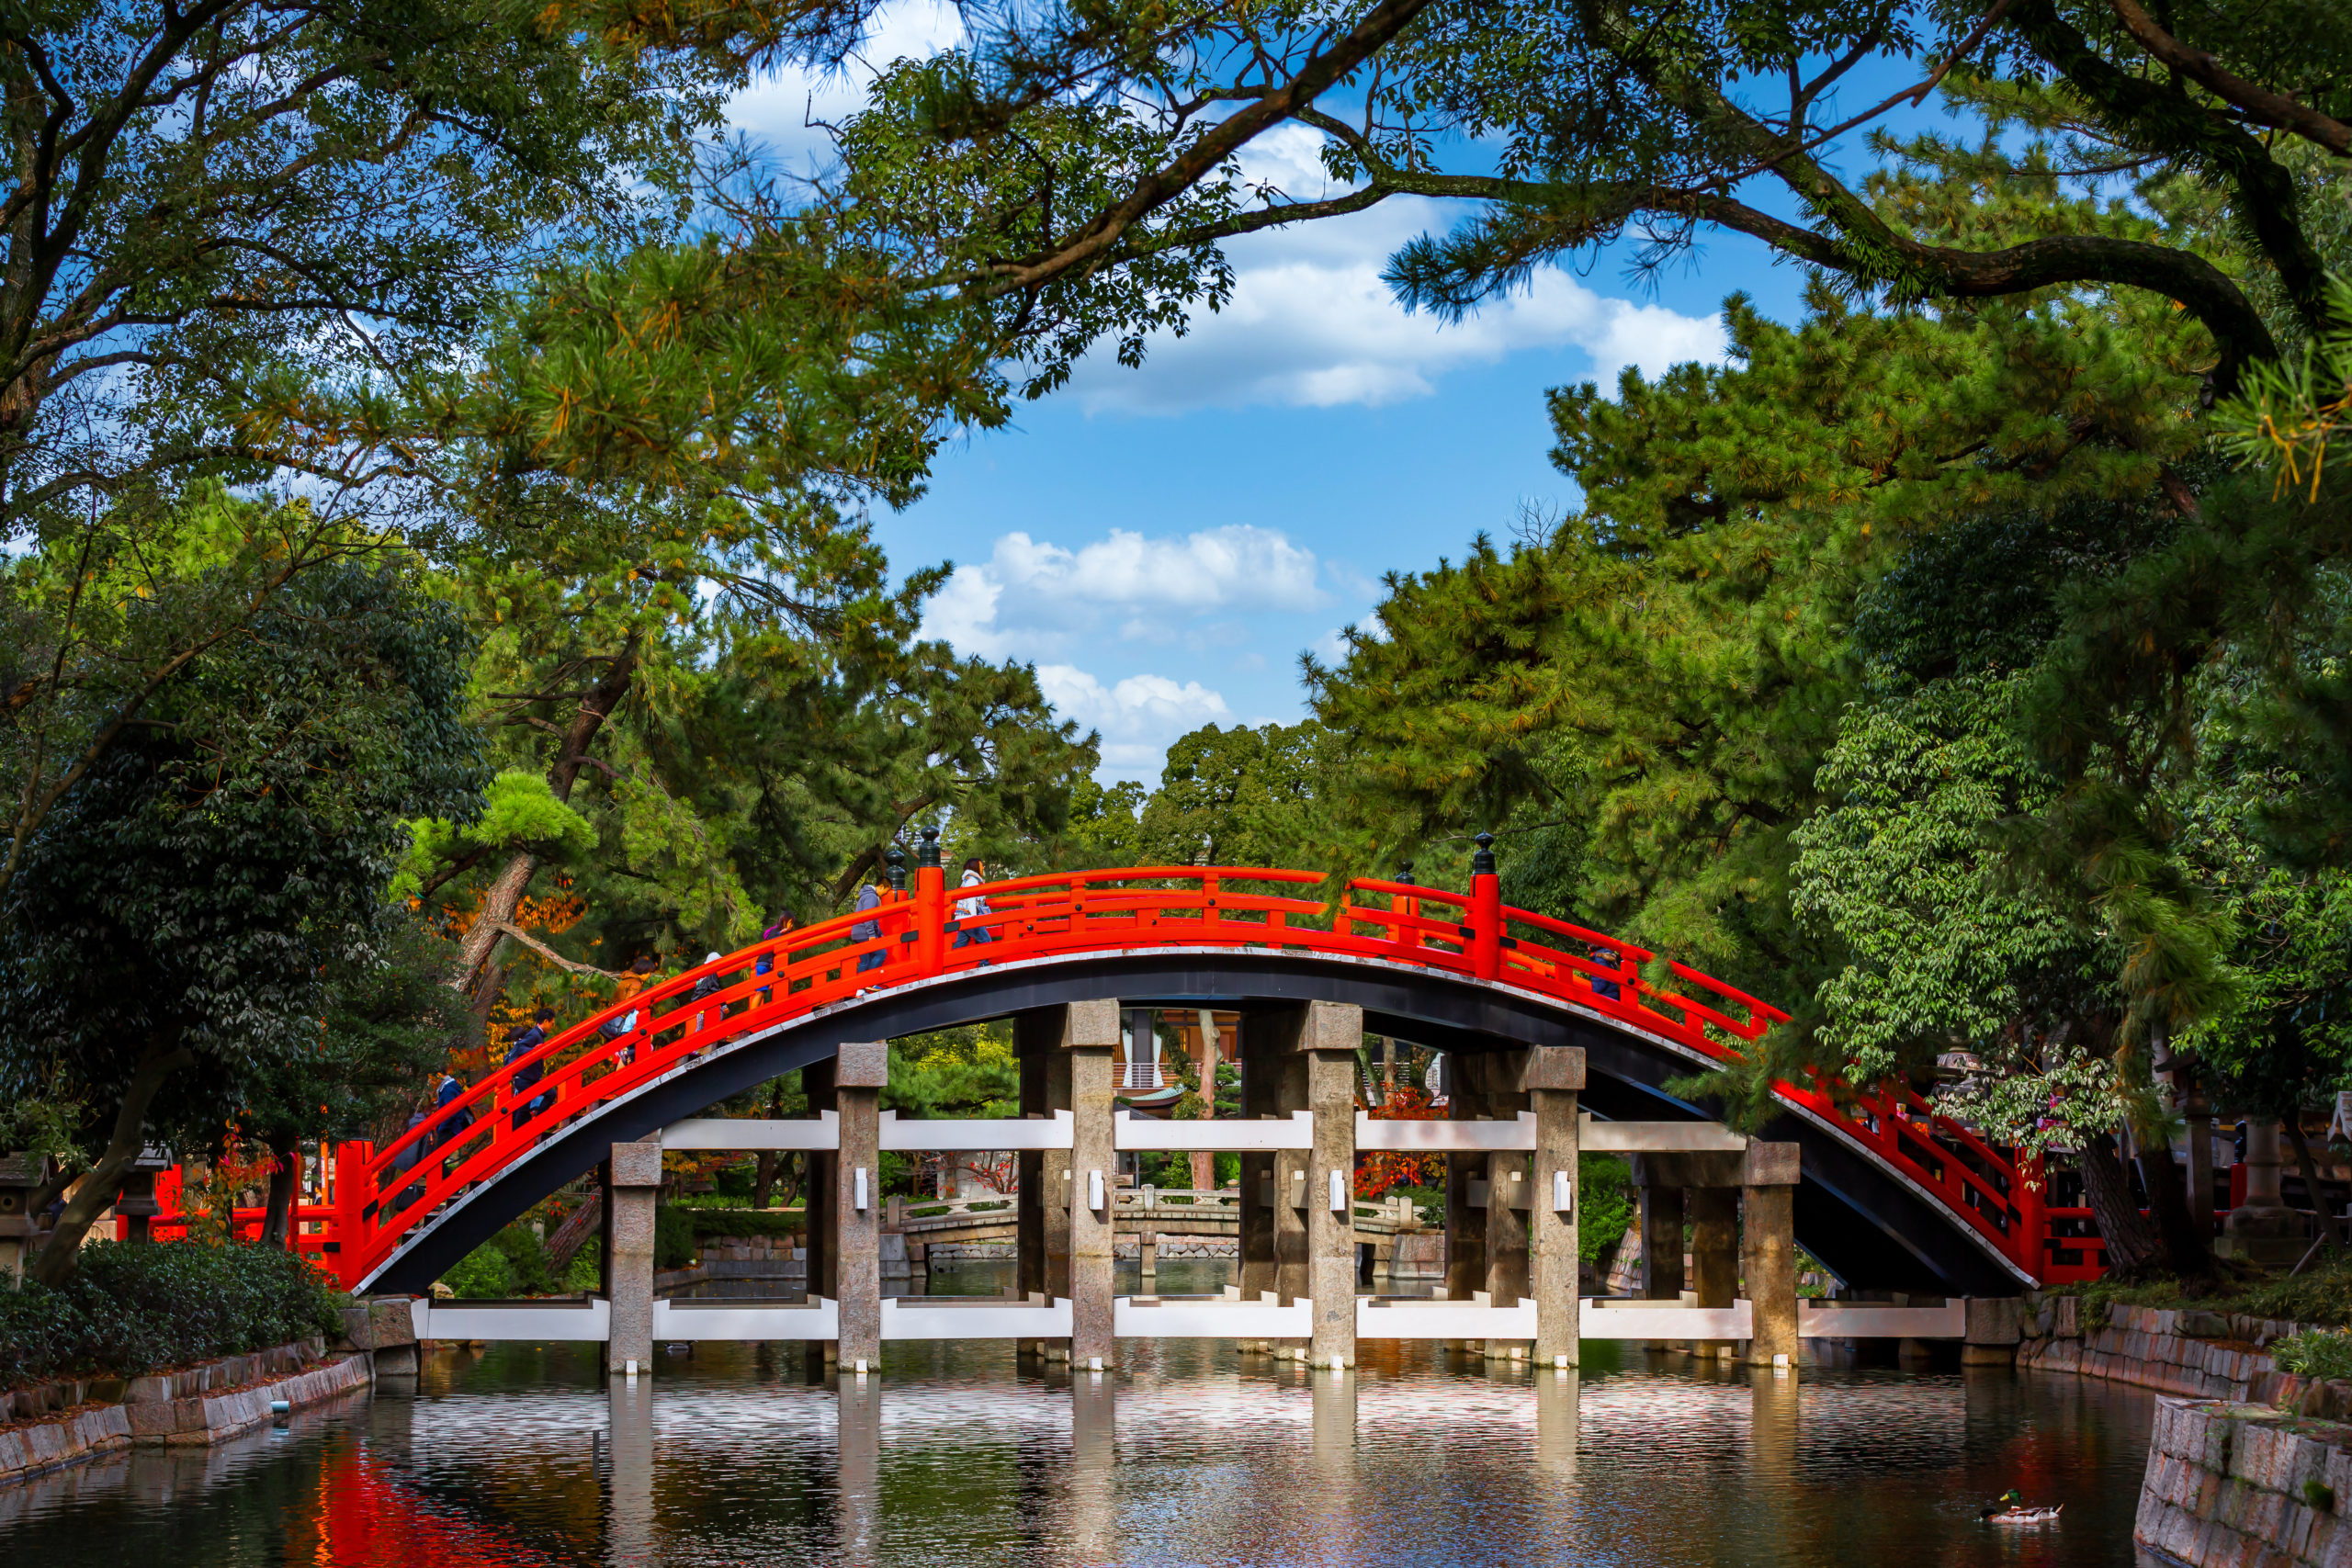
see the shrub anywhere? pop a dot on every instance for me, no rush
(674, 1238)
(2314, 1355)
(745, 1221)
(132, 1307)
(510, 1265)
(1605, 1205)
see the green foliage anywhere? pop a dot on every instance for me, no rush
(1604, 1206)
(186, 916)
(513, 1265)
(2314, 1355)
(1240, 796)
(673, 1237)
(776, 1223)
(133, 1308)
(517, 812)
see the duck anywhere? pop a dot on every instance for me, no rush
(2010, 1508)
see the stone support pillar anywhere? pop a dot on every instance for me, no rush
(1324, 1047)
(1465, 1227)
(1662, 1220)
(635, 1184)
(1714, 1254)
(861, 1071)
(1261, 1082)
(1293, 1271)
(1041, 1207)
(1769, 1251)
(1554, 1080)
(1089, 1041)
(820, 1204)
(1509, 1199)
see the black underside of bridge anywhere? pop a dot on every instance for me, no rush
(1875, 1231)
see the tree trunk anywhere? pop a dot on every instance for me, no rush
(2304, 1161)
(2133, 1248)
(577, 1227)
(764, 1180)
(53, 1264)
(284, 1185)
(506, 895)
(2187, 1250)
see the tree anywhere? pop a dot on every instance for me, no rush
(216, 210)
(184, 925)
(1240, 796)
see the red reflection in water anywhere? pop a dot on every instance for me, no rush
(360, 1515)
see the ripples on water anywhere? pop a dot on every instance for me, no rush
(520, 1455)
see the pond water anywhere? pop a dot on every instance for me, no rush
(1188, 1454)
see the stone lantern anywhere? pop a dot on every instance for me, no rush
(20, 1174)
(137, 1204)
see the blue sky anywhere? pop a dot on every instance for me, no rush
(1162, 543)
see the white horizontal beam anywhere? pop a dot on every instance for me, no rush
(819, 1318)
(588, 1321)
(993, 1134)
(1478, 1318)
(1658, 1138)
(808, 1134)
(1264, 1135)
(912, 1317)
(1231, 1318)
(1860, 1320)
(1446, 1138)
(1605, 1319)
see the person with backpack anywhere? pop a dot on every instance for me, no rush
(971, 908)
(622, 1025)
(520, 1044)
(452, 1088)
(868, 898)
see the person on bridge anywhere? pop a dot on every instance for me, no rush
(765, 962)
(458, 1119)
(869, 896)
(622, 1025)
(973, 908)
(710, 985)
(521, 1043)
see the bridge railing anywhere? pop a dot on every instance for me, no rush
(912, 938)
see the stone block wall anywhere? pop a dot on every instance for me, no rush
(2234, 1483)
(2198, 1354)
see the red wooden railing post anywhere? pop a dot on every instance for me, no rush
(2033, 1217)
(1486, 912)
(930, 907)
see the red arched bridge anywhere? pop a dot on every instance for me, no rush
(1892, 1196)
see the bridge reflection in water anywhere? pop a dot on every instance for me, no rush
(525, 1456)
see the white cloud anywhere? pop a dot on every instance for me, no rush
(1310, 322)
(778, 109)
(1138, 716)
(1033, 597)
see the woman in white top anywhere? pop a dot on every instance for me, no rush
(973, 908)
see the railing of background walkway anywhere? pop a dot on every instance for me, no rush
(314, 1228)
(391, 1188)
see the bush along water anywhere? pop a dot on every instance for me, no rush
(132, 1308)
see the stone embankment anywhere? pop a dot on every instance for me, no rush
(2200, 1354)
(2231, 1484)
(50, 1426)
